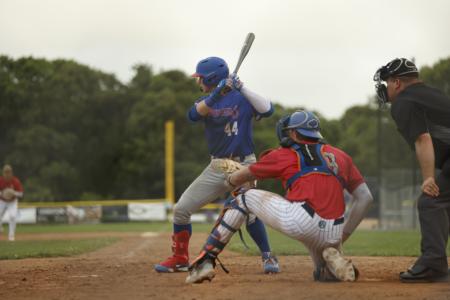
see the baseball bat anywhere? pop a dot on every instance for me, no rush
(244, 51)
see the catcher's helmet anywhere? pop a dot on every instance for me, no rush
(398, 67)
(306, 123)
(212, 70)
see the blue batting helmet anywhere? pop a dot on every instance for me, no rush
(212, 70)
(305, 123)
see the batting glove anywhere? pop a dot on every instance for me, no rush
(234, 82)
(215, 95)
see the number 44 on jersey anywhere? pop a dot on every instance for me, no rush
(231, 129)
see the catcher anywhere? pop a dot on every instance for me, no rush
(10, 192)
(314, 175)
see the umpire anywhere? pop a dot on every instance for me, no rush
(422, 115)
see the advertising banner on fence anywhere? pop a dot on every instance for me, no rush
(24, 216)
(51, 215)
(147, 212)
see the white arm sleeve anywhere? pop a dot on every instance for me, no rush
(362, 198)
(261, 104)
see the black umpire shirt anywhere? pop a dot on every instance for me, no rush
(420, 109)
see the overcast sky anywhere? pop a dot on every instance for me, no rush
(318, 54)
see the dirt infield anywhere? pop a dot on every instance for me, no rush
(124, 271)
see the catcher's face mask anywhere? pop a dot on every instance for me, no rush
(282, 134)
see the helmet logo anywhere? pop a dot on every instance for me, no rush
(313, 124)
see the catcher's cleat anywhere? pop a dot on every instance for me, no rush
(322, 274)
(202, 269)
(270, 263)
(339, 266)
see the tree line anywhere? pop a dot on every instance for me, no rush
(73, 132)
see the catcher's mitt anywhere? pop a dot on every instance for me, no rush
(229, 166)
(8, 195)
(342, 268)
(225, 165)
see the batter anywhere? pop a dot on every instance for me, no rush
(227, 113)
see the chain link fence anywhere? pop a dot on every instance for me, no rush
(398, 193)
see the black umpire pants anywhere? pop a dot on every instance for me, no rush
(434, 215)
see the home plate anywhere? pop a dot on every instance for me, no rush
(84, 276)
(149, 234)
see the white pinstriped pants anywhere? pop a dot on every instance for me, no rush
(286, 217)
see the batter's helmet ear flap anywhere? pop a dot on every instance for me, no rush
(283, 138)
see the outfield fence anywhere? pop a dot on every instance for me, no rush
(73, 212)
(397, 207)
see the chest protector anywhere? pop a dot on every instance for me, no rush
(312, 162)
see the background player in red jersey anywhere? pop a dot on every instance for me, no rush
(10, 192)
(314, 175)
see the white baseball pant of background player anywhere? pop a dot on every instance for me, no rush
(11, 207)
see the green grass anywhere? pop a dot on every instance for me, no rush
(361, 243)
(103, 227)
(107, 227)
(370, 243)
(51, 248)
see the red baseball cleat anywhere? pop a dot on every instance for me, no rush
(179, 261)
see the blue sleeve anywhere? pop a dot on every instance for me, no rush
(193, 114)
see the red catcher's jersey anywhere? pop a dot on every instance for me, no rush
(14, 184)
(324, 193)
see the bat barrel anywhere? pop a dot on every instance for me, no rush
(244, 51)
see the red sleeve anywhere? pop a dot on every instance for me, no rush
(272, 164)
(354, 178)
(17, 185)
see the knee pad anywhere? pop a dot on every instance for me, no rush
(239, 204)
